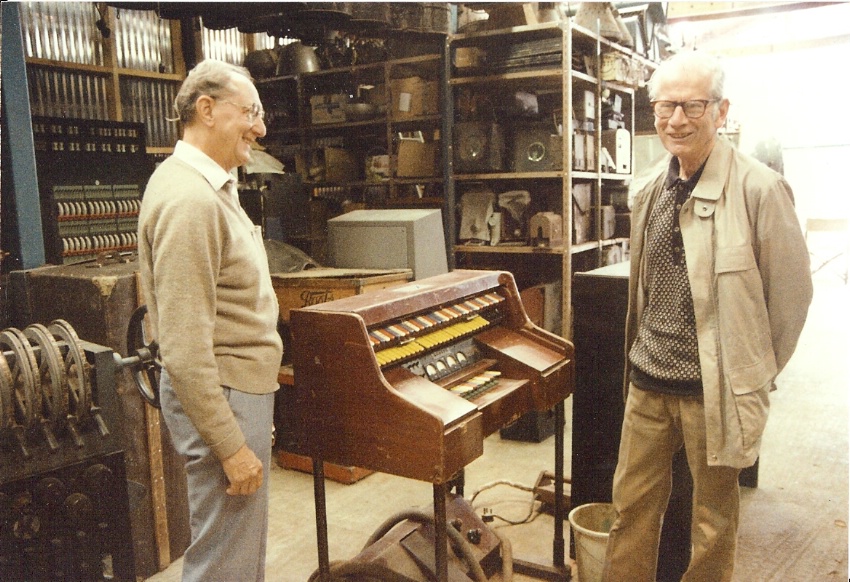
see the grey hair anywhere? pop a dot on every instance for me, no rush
(703, 62)
(209, 77)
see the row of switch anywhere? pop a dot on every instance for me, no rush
(99, 242)
(431, 340)
(400, 331)
(80, 209)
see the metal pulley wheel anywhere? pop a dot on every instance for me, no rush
(142, 354)
(77, 370)
(7, 392)
(24, 373)
(54, 394)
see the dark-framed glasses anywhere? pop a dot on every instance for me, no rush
(694, 109)
(252, 112)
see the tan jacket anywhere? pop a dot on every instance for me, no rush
(748, 268)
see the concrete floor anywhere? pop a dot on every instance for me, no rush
(793, 526)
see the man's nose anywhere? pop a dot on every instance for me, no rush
(678, 116)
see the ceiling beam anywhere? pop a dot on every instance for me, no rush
(697, 11)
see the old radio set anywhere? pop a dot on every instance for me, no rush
(479, 146)
(537, 147)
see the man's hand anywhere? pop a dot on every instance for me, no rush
(244, 471)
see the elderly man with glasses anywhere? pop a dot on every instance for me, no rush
(213, 310)
(719, 290)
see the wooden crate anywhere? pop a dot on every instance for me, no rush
(291, 460)
(310, 287)
(313, 286)
(334, 472)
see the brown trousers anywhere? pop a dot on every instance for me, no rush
(655, 427)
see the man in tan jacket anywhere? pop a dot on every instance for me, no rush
(719, 290)
(213, 310)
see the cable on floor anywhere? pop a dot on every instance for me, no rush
(532, 512)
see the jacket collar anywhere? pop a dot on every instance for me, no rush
(713, 179)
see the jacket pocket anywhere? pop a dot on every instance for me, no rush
(752, 407)
(730, 259)
(745, 338)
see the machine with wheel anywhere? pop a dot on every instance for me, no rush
(64, 506)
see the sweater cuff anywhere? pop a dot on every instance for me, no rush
(229, 445)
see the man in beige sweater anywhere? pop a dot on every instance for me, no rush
(213, 310)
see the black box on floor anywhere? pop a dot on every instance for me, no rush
(532, 427)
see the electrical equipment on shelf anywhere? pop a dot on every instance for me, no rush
(91, 174)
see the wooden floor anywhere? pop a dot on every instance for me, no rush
(793, 525)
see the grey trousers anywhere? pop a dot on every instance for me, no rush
(228, 532)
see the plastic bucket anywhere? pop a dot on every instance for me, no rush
(590, 526)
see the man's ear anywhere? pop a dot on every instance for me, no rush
(204, 109)
(723, 110)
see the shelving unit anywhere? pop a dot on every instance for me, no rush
(126, 68)
(495, 80)
(349, 160)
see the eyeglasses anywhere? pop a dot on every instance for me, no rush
(252, 112)
(694, 109)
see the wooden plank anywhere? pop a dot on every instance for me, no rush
(158, 495)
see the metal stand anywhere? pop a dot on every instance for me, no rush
(321, 519)
(557, 571)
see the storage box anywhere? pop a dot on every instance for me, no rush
(327, 108)
(622, 69)
(581, 212)
(346, 474)
(327, 165)
(414, 96)
(585, 105)
(313, 286)
(584, 151)
(417, 159)
(609, 222)
(290, 460)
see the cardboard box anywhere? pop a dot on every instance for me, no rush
(314, 286)
(417, 159)
(414, 96)
(468, 57)
(327, 165)
(327, 108)
(622, 69)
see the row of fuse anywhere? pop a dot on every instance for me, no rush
(99, 242)
(77, 210)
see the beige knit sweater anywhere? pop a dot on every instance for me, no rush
(206, 282)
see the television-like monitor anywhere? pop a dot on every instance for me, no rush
(389, 239)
